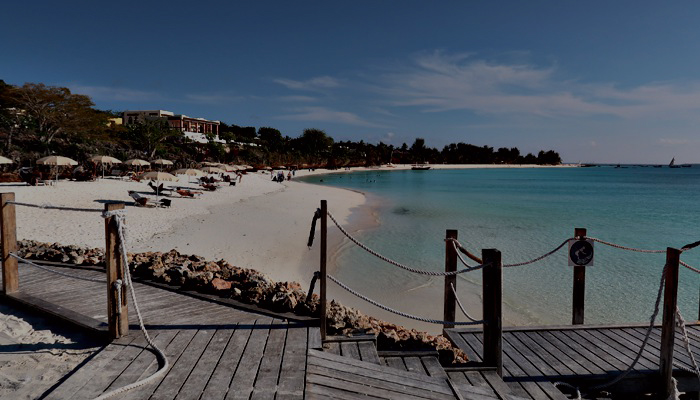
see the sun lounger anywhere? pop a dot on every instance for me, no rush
(159, 190)
(188, 193)
(143, 201)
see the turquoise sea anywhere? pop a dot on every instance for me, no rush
(525, 213)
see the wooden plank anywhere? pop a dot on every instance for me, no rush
(579, 287)
(293, 370)
(473, 345)
(544, 345)
(268, 373)
(218, 385)
(83, 375)
(322, 267)
(432, 365)
(580, 353)
(413, 364)
(315, 341)
(395, 362)
(244, 379)
(354, 338)
(117, 309)
(332, 347)
(668, 326)
(497, 384)
(196, 382)
(460, 381)
(330, 361)
(541, 366)
(134, 371)
(368, 352)
(112, 370)
(532, 343)
(56, 311)
(375, 386)
(493, 309)
(318, 391)
(605, 350)
(349, 349)
(586, 347)
(409, 353)
(624, 345)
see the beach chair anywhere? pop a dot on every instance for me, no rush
(141, 201)
(159, 190)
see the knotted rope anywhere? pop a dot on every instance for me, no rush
(118, 216)
(680, 322)
(393, 311)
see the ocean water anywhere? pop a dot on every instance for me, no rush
(525, 213)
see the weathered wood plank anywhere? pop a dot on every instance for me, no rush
(346, 380)
(219, 382)
(172, 351)
(82, 376)
(244, 379)
(368, 352)
(318, 391)
(432, 365)
(533, 345)
(293, 370)
(269, 370)
(315, 341)
(182, 367)
(332, 347)
(349, 349)
(413, 364)
(202, 371)
(395, 362)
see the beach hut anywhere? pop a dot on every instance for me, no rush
(104, 160)
(55, 162)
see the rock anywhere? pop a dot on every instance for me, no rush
(220, 284)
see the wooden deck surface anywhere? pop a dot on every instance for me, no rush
(581, 355)
(219, 352)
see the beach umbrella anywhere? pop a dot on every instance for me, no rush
(161, 162)
(213, 170)
(189, 171)
(228, 168)
(159, 176)
(56, 161)
(5, 160)
(102, 160)
(211, 164)
(137, 162)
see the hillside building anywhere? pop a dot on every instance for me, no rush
(195, 129)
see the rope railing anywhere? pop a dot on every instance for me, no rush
(49, 206)
(119, 217)
(461, 307)
(45, 268)
(396, 263)
(680, 322)
(397, 312)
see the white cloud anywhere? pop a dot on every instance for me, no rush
(674, 142)
(313, 84)
(297, 99)
(323, 114)
(212, 98)
(440, 82)
(108, 93)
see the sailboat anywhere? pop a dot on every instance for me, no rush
(672, 163)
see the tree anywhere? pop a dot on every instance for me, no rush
(149, 135)
(56, 111)
(271, 137)
(314, 142)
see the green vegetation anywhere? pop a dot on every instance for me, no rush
(36, 120)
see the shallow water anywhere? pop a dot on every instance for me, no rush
(525, 213)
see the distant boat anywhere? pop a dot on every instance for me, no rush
(420, 166)
(672, 163)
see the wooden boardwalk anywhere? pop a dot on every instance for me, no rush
(581, 355)
(219, 352)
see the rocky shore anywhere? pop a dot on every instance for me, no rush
(248, 286)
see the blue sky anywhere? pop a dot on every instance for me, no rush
(598, 81)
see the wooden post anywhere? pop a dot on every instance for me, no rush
(322, 272)
(118, 322)
(668, 325)
(492, 311)
(10, 274)
(450, 266)
(579, 291)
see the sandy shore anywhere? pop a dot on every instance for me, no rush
(257, 224)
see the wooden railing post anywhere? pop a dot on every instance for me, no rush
(10, 274)
(450, 280)
(322, 272)
(118, 321)
(579, 290)
(493, 309)
(669, 322)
